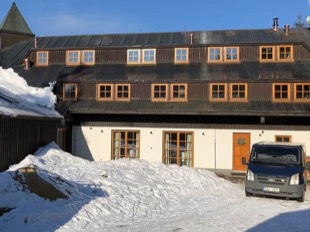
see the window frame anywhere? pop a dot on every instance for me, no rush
(178, 99)
(78, 62)
(83, 57)
(167, 160)
(143, 56)
(153, 92)
(176, 61)
(273, 53)
(220, 60)
(65, 98)
(245, 99)
(291, 59)
(38, 58)
(281, 99)
(303, 92)
(128, 56)
(282, 138)
(126, 155)
(99, 91)
(117, 98)
(234, 60)
(212, 99)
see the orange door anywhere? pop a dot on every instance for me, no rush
(241, 148)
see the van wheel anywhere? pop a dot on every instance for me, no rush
(302, 197)
(248, 194)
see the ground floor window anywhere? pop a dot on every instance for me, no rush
(178, 148)
(125, 144)
(283, 138)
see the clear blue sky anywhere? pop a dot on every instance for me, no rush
(78, 17)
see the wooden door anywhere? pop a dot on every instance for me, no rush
(241, 148)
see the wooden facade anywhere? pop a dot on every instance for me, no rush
(21, 136)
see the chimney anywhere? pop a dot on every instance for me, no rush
(191, 38)
(275, 24)
(287, 29)
(35, 42)
(27, 64)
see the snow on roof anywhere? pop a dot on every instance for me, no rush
(17, 98)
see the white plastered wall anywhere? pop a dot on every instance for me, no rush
(213, 148)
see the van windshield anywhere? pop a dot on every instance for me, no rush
(276, 155)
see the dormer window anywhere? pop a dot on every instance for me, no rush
(70, 92)
(141, 56)
(267, 53)
(77, 57)
(181, 55)
(42, 58)
(285, 53)
(223, 54)
(133, 56)
(215, 54)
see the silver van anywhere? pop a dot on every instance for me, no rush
(277, 170)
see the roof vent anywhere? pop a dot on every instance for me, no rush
(275, 24)
(26, 64)
(35, 43)
(287, 29)
(191, 38)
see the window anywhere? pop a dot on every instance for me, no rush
(281, 92)
(73, 57)
(125, 144)
(104, 92)
(231, 54)
(285, 53)
(238, 92)
(218, 92)
(178, 148)
(149, 56)
(214, 54)
(159, 92)
(179, 92)
(267, 53)
(133, 56)
(283, 138)
(302, 92)
(70, 92)
(123, 92)
(88, 57)
(42, 58)
(181, 55)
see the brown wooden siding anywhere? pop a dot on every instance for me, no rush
(111, 56)
(260, 91)
(86, 91)
(165, 55)
(197, 91)
(22, 136)
(248, 53)
(197, 54)
(301, 53)
(141, 91)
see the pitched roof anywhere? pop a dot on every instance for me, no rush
(15, 22)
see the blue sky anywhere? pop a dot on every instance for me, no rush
(78, 17)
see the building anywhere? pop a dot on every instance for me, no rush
(197, 98)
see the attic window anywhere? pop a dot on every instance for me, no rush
(281, 92)
(159, 92)
(218, 92)
(149, 56)
(178, 92)
(133, 56)
(285, 53)
(69, 92)
(302, 92)
(267, 53)
(181, 55)
(86, 57)
(105, 92)
(42, 58)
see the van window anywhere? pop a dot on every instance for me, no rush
(276, 155)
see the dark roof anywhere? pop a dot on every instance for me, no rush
(15, 22)
(193, 107)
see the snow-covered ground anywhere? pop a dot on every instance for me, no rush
(135, 195)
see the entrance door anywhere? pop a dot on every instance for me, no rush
(241, 148)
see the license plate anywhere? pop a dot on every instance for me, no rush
(270, 189)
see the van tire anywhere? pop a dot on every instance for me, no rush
(248, 194)
(302, 197)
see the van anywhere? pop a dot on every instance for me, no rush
(277, 170)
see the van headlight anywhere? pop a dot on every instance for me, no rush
(250, 175)
(294, 179)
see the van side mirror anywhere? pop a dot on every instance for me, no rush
(244, 161)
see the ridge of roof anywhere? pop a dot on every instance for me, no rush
(15, 22)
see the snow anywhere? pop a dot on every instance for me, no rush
(17, 98)
(136, 195)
